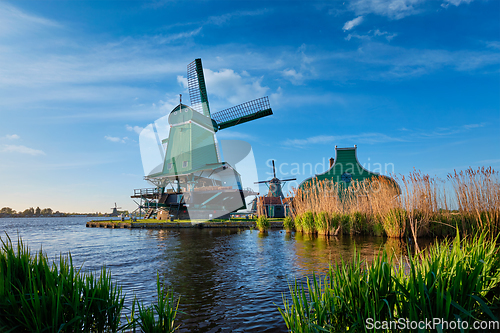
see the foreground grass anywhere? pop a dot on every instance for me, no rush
(458, 280)
(36, 296)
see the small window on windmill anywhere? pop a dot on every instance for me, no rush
(169, 166)
(184, 164)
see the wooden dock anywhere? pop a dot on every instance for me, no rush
(177, 225)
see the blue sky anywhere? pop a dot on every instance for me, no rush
(413, 83)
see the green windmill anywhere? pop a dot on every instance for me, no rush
(192, 179)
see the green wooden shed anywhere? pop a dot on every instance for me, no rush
(346, 169)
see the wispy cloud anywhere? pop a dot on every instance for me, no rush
(489, 162)
(14, 21)
(234, 87)
(394, 9)
(293, 76)
(408, 135)
(455, 2)
(398, 9)
(20, 149)
(115, 139)
(385, 34)
(12, 136)
(164, 39)
(352, 23)
(304, 68)
(371, 34)
(494, 44)
(228, 134)
(368, 138)
(136, 129)
(378, 61)
(441, 131)
(225, 18)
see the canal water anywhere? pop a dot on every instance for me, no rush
(228, 280)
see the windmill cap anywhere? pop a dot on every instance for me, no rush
(183, 114)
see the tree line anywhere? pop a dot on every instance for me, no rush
(29, 212)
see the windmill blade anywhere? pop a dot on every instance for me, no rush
(274, 170)
(287, 180)
(242, 113)
(197, 88)
(262, 182)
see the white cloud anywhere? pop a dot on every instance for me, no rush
(20, 149)
(171, 101)
(445, 131)
(183, 81)
(293, 76)
(229, 134)
(136, 129)
(12, 137)
(14, 21)
(160, 39)
(303, 62)
(115, 139)
(380, 61)
(373, 138)
(352, 23)
(394, 9)
(353, 35)
(223, 19)
(385, 34)
(493, 44)
(371, 34)
(455, 2)
(235, 88)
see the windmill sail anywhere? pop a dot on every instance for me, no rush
(242, 113)
(197, 88)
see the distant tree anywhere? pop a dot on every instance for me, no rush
(28, 212)
(47, 211)
(7, 210)
(38, 211)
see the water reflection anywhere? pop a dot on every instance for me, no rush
(227, 279)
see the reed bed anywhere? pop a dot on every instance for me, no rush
(288, 224)
(452, 280)
(468, 201)
(156, 318)
(37, 296)
(263, 223)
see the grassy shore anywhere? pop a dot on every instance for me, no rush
(421, 207)
(451, 281)
(38, 296)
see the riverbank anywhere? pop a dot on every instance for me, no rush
(155, 224)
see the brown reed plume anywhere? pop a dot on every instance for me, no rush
(477, 193)
(420, 207)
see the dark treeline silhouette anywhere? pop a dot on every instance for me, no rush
(37, 212)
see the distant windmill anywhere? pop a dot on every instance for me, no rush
(274, 200)
(115, 210)
(274, 185)
(192, 179)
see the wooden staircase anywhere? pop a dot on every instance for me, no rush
(149, 213)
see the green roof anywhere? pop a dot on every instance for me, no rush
(346, 169)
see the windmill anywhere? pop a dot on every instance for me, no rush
(115, 210)
(190, 177)
(274, 201)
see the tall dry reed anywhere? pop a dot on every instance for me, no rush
(477, 194)
(420, 206)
